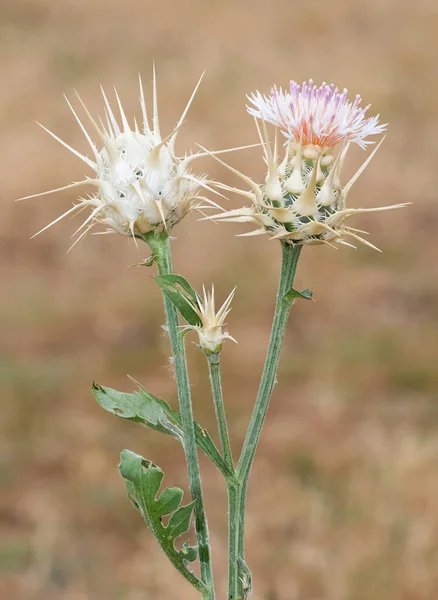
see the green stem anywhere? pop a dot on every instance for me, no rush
(160, 246)
(232, 483)
(242, 515)
(216, 389)
(234, 584)
(290, 256)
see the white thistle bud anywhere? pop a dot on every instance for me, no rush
(211, 331)
(310, 202)
(141, 185)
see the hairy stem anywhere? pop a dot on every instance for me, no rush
(160, 246)
(216, 389)
(234, 583)
(233, 484)
(290, 256)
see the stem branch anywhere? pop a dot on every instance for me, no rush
(216, 389)
(234, 583)
(160, 246)
(232, 484)
(290, 256)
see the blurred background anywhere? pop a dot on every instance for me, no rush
(343, 501)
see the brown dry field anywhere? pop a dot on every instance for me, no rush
(343, 499)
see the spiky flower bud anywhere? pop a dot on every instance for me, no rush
(211, 331)
(141, 185)
(303, 200)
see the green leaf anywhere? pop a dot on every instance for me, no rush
(180, 520)
(144, 408)
(292, 294)
(143, 480)
(140, 407)
(182, 295)
(205, 442)
(169, 500)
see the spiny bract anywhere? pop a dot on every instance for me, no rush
(303, 200)
(141, 185)
(211, 331)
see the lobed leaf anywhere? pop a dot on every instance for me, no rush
(143, 480)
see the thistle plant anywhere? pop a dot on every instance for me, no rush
(142, 189)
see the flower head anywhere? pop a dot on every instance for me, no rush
(211, 331)
(140, 184)
(303, 200)
(321, 116)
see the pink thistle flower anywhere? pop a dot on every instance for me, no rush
(321, 116)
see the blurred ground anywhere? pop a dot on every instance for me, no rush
(344, 495)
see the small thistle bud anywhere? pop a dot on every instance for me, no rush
(211, 332)
(140, 184)
(303, 200)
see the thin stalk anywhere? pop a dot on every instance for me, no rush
(234, 583)
(216, 389)
(160, 246)
(290, 256)
(232, 484)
